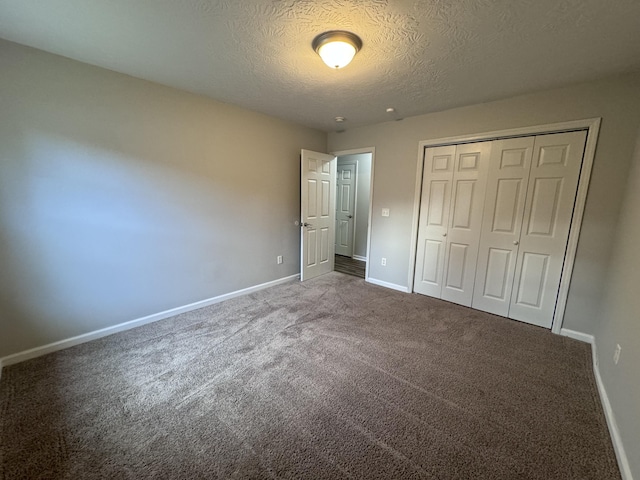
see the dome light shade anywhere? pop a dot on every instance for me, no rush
(337, 47)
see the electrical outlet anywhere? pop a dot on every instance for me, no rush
(616, 354)
(383, 262)
(279, 259)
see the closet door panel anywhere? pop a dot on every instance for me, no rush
(497, 274)
(508, 176)
(465, 221)
(457, 260)
(553, 181)
(434, 219)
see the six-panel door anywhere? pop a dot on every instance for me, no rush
(318, 180)
(345, 208)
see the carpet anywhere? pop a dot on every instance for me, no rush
(328, 379)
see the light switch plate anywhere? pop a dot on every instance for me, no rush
(385, 212)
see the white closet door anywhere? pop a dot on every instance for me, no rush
(501, 224)
(434, 218)
(465, 221)
(551, 193)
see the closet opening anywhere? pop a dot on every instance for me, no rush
(497, 218)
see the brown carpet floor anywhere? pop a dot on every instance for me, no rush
(329, 379)
(350, 266)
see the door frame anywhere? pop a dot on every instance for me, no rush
(591, 125)
(372, 151)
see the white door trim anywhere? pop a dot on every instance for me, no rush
(372, 151)
(592, 125)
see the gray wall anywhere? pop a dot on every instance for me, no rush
(363, 191)
(620, 322)
(616, 100)
(120, 198)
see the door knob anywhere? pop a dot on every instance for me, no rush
(515, 242)
(349, 216)
(444, 234)
(305, 224)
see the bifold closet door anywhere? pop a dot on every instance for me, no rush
(502, 221)
(553, 182)
(453, 190)
(465, 220)
(437, 177)
(494, 223)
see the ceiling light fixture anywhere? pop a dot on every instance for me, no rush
(337, 47)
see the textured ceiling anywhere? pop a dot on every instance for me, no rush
(418, 56)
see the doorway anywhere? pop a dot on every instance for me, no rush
(353, 207)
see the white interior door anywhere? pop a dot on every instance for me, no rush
(465, 221)
(437, 178)
(501, 224)
(345, 207)
(553, 181)
(317, 207)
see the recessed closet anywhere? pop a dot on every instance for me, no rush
(495, 218)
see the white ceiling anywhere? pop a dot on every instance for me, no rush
(418, 56)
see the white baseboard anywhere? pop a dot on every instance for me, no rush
(393, 286)
(583, 337)
(358, 257)
(87, 337)
(621, 456)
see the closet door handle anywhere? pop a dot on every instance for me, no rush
(444, 234)
(516, 242)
